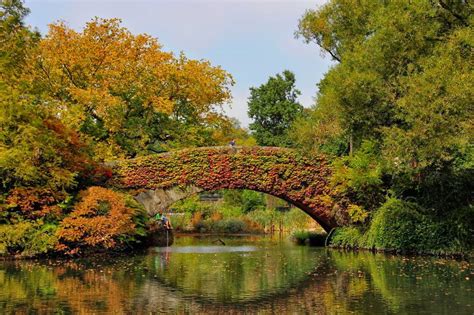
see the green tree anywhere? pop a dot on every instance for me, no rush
(404, 84)
(16, 40)
(273, 107)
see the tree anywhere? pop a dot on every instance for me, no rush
(230, 129)
(273, 108)
(404, 83)
(16, 40)
(122, 92)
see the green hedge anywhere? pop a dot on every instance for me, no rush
(27, 238)
(406, 227)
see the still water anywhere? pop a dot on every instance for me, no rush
(250, 275)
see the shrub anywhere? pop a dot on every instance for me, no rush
(13, 238)
(140, 220)
(181, 221)
(42, 240)
(230, 211)
(33, 203)
(405, 226)
(191, 204)
(27, 238)
(398, 225)
(101, 220)
(252, 200)
(230, 226)
(347, 237)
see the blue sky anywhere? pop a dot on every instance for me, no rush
(250, 39)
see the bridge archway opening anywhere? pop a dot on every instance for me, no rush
(259, 211)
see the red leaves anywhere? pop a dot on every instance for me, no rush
(34, 203)
(276, 171)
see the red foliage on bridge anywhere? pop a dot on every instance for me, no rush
(280, 172)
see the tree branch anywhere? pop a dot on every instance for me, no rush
(456, 15)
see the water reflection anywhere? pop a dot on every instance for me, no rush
(252, 275)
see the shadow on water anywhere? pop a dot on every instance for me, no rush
(250, 274)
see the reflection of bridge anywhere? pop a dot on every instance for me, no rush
(301, 296)
(162, 179)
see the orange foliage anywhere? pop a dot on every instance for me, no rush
(36, 203)
(196, 218)
(74, 155)
(97, 221)
(216, 216)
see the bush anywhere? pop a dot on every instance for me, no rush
(181, 221)
(230, 226)
(398, 225)
(191, 205)
(34, 203)
(347, 237)
(103, 219)
(27, 238)
(403, 226)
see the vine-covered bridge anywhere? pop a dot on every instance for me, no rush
(159, 180)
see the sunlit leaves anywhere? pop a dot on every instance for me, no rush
(273, 107)
(107, 82)
(97, 221)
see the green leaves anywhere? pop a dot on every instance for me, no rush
(273, 108)
(405, 83)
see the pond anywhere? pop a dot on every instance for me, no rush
(249, 274)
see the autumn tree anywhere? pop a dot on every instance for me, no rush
(70, 100)
(16, 40)
(273, 106)
(122, 91)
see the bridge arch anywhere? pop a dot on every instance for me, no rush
(161, 179)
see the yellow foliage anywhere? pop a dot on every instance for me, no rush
(357, 214)
(104, 72)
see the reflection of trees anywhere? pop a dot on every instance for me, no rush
(338, 283)
(67, 287)
(416, 285)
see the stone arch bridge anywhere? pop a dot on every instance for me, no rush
(159, 180)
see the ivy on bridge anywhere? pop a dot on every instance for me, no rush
(280, 172)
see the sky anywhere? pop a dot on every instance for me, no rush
(251, 39)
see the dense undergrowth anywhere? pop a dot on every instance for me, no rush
(100, 220)
(405, 227)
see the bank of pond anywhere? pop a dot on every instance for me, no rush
(105, 221)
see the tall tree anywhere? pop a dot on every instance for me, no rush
(404, 85)
(122, 91)
(273, 107)
(16, 40)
